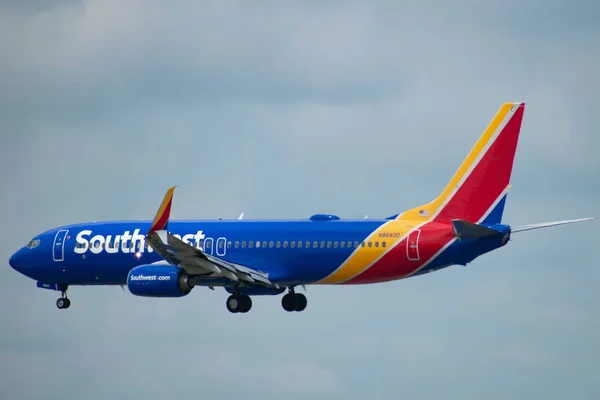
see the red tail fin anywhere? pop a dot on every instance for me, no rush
(483, 177)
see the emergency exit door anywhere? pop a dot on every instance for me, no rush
(412, 245)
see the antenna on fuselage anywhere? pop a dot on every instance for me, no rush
(366, 217)
(241, 216)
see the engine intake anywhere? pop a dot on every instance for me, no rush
(159, 281)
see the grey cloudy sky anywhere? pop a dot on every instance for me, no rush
(285, 109)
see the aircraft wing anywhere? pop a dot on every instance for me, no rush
(193, 260)
(529, 227)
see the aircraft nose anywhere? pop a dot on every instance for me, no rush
(16, 261)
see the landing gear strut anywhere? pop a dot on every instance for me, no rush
(293, 301)
(63, 302)
(239, 303)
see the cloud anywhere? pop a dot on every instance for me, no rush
(282, 110)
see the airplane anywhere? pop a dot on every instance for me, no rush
(169, 258)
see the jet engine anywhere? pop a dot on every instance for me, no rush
(159, 281)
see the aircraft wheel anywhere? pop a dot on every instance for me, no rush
(63, 303)
(301, 302)
(245, 303)
(233, 304)
(288, 302)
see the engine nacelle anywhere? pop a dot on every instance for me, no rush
(159, 281)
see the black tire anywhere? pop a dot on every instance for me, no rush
(233, 304)
(301, 302)
(288, 302)
(245, 303)
(61, 303)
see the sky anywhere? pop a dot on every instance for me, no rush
(282, 110)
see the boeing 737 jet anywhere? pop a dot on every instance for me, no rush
(164, 258)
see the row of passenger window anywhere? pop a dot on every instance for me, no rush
(258, 244)
(300, 244)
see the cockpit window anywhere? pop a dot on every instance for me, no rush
(33, 243)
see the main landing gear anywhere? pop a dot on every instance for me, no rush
(294, 301)
(239, 303)
(64, 301)
(242, 303)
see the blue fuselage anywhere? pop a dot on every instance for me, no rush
(291, 252)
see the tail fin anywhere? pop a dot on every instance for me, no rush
(477, 191)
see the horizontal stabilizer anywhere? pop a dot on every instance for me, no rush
(469, 230)
(529, 227)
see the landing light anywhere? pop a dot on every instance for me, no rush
(138, 254)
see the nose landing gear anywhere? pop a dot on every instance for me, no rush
(63, 302)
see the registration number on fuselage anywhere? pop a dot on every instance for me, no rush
(389, 234)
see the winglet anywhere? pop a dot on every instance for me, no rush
(164, 212)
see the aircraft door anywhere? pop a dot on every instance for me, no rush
(221, 244)
(208, 245)
(412, 245)
(58, 249)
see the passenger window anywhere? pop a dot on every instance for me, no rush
(362, 244)
(237, 244)
(271, 244)
(322, 244)
(285, 243)
(370, 244)
(251, 244)
(264, 244)
(376, 244)
(329, 244)
(208, 244)
(299, 244)
(243, 244)
(335, 244)
(307, 244)
(342, 244)
(383, 244)
(220, 244)
(229, 244)
(355, 243)
(292, 244)
(315, 244)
